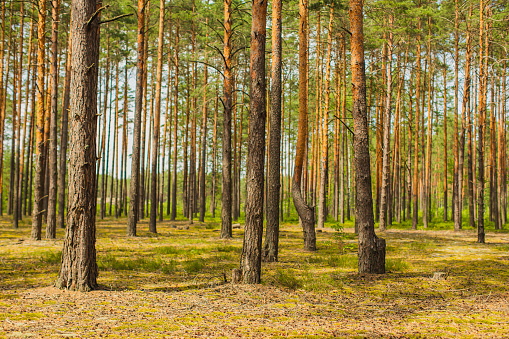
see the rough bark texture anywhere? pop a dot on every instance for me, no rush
(250, 261)
(40, 156)
(79, 267)
(371, 248)
(135, 164)
(226, 203)
(306, 213)
(270, 247)
(53, 168)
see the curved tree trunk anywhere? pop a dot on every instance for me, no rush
(306, 213)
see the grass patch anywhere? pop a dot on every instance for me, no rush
(396, 265)
(51, 257)
(194, 266)
(287, 278)
(343, 261)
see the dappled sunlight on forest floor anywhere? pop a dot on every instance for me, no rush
(173, 285)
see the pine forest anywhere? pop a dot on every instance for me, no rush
(296, 168)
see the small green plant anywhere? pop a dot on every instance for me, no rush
(288, 279)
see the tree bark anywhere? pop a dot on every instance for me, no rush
(226, 203)
(306, 213)
(270, 247)
(157, 123)
(135, 163)
(371, 248)
(384, 199)
(79, 267)
(40, 161)
(175, 125)
(250, 262)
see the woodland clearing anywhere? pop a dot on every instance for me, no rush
(172, 284)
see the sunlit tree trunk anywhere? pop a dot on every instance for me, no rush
(175, 125)
(250, 262)
(371, 248)
(40, 161)
(79, 267)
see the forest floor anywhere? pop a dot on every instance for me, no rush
(173, 285)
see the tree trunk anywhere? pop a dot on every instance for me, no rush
(102, 152)
(371, 248)
(214, 155)
(204, 137)
(157, 123)
(481, 124)
(226, 203)
(250, 261)
(40, 163)
(270, 247)
(64, 137)
(384, 199)
(135, 163)
(324, 121)
(175, 125)
(79, 267)
(306, 213)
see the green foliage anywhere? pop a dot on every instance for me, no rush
(194, 265)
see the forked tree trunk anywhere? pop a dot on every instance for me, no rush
(371, 248)
(79, 267)
(270, 247)
(135, 163)
(306, 213)
(250, 261)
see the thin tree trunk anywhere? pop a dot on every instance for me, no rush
(481, 124)
(270, 247)
(157, 123)
(384, 196)
(214, 155)
(226, 204)
(40, 163)
(135, 163)
(204, 137)
(175, 125)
